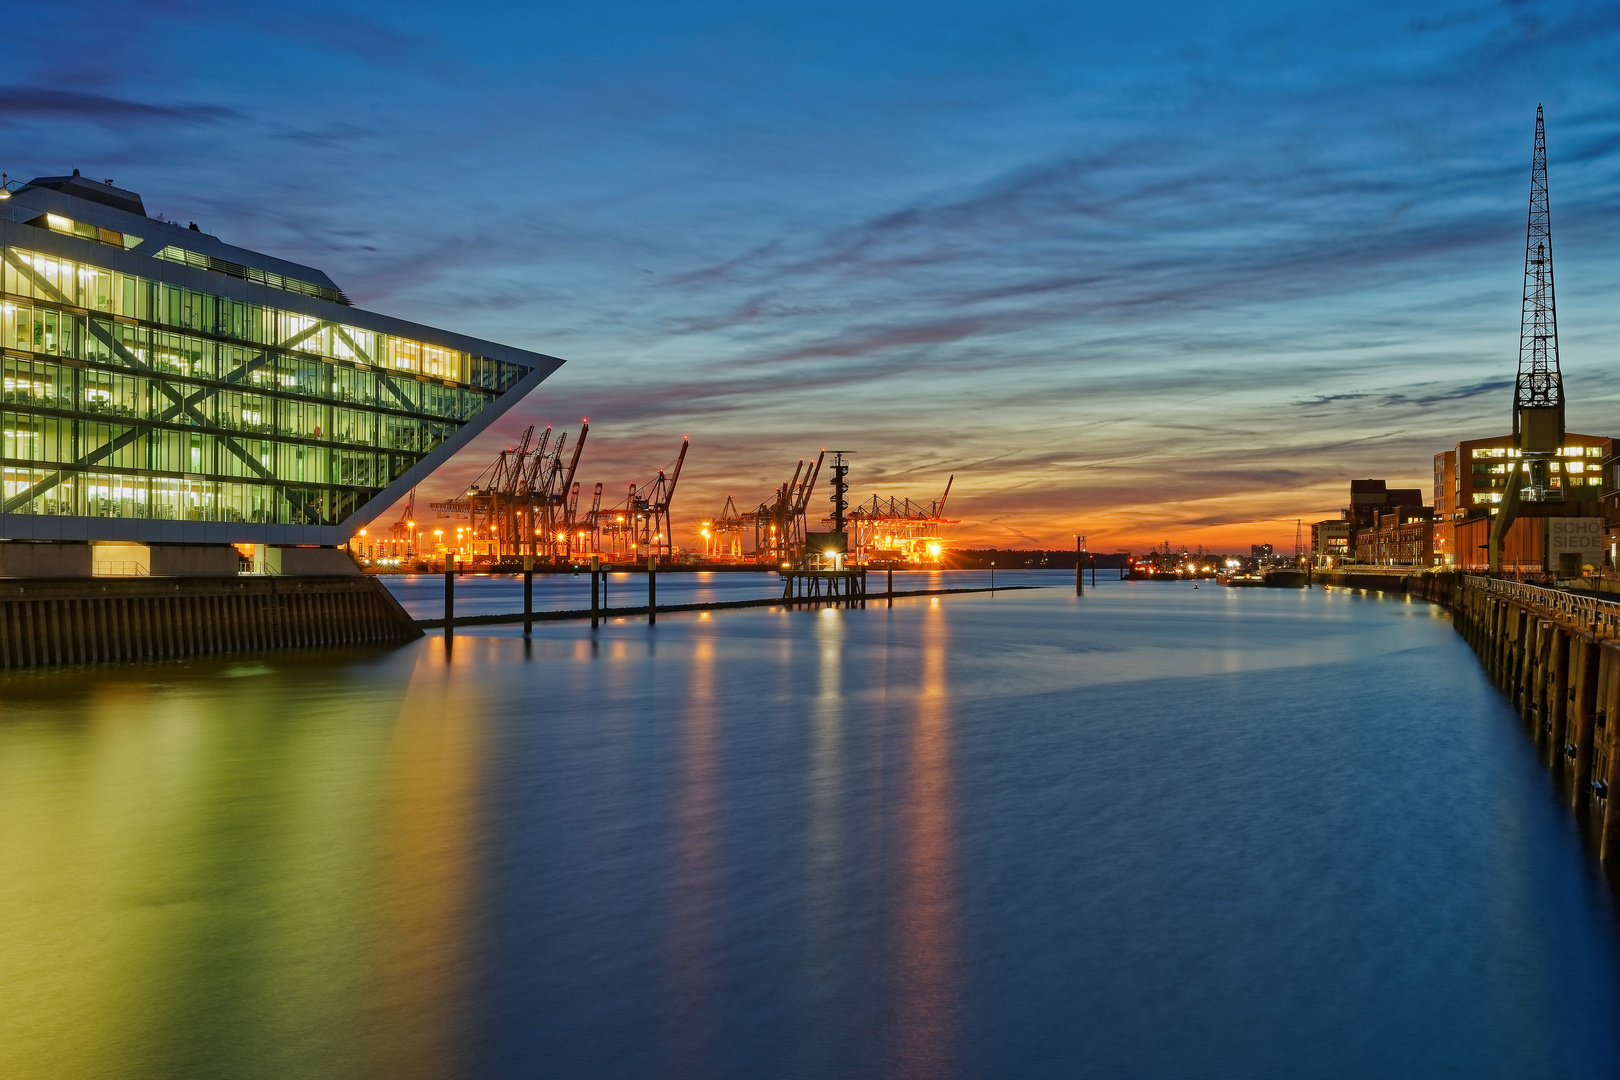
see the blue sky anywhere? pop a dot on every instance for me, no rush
(1152, 271)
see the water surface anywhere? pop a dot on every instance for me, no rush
(1153, 832)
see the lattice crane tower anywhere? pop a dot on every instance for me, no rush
(1538, 392)
(1538, 395)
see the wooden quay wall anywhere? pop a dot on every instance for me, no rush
(46, 623)
(1555, 654)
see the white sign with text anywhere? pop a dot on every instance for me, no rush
(1577, 534)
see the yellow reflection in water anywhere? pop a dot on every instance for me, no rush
(429, 793)
(184, 882)
(824, 972)
(692, 1027)
(926, 1004)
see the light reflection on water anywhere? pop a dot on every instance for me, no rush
(925, 1002)
(1153, 832)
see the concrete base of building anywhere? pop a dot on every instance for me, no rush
(46, 623)
(310, 562)
(125, 559)
(24, 559)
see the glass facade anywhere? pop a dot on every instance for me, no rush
(129, 397)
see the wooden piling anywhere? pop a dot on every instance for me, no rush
(528, 593)
(596, 571)
(1557, 695)
(449, 596)
(1578, 750)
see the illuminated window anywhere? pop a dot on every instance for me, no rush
(86, 231)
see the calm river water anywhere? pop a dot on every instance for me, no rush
(1153, 832)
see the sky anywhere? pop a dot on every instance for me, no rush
(1149, 272)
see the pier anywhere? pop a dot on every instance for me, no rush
(827, 586)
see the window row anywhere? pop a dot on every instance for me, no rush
(53, 280)
(114, 394)
(120, 495)
(1564, 451)
(49, 332)
(47, 440)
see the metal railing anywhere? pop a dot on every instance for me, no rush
(1600, 617)
(120, 568)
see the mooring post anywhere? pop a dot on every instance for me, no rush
(652, 589)
(1578, 748)
(1606, 771)
(1080, 569)
(596, 568)
(891, 586)
(528, 593)
(449, 594)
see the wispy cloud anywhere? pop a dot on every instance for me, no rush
(105, 110)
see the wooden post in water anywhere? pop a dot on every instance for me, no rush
(1606, 761)
(652, 589)
(1536, 712)
(1578, 764)
(528, 593)
(1558, 695)
(1080, 567)
(891, 586)
(449, 594)
(596, 569)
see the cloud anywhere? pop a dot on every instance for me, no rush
(1462, 393)
(103, 109)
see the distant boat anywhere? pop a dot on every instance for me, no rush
(1240, 581)
(1279, 577)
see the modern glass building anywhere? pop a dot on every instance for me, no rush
(161, 386)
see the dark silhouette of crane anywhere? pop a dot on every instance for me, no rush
(1538, 392)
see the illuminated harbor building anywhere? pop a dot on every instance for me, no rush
(161, 386)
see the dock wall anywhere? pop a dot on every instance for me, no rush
(1556, 656)
(1440, 587)
(56, 622)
